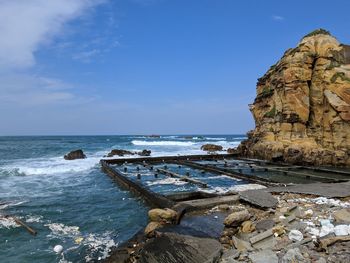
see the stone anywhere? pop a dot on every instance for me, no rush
(302, 106)
(295, 235)
(231, 150)
(264, 256)
(211, 147)
(162, 215)
(236, 218)
(293, 255)
(145, 153)
(174, 248)
(229, 256)
(241, 245)
(224, 207)
(77, 154)
(264, 224)
(342, 215)
(259, 198)
(119, 152)
(247, 227)
(342, 230)
(58, 249)
(151, 227)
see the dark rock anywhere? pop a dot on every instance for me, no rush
(264, 224)
(259, 198)
(264, 256)
(211, 147)
(232, 150)
(77, 154)
(153, 136)
(174, 248)
(145, 153)
(119, 152)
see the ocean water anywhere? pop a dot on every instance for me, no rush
(72, 203)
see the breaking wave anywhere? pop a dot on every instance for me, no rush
(161, 143)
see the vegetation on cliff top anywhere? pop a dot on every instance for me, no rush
(317, 32)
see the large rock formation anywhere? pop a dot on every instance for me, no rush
(302, 107)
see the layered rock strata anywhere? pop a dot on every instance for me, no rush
(302, 107)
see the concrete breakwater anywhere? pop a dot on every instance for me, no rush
(221, 208)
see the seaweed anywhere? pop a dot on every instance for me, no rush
(340, 75)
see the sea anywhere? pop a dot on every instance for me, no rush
(73, 204)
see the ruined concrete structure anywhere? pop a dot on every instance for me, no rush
(302, 107)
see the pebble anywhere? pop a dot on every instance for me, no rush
(295, 235)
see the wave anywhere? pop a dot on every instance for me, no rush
(172, 181)
(236, 188)
(161, 143)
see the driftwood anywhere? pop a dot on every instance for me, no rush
(21, 223)
(326, 242)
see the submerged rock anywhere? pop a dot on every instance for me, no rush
(302, 107)
(211, 147)
(77, 154)
(145, 153)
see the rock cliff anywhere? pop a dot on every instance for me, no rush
(302, 107)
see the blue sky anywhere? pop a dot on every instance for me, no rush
(145, 66)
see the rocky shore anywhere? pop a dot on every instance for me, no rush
(258, 227)
(302, 107)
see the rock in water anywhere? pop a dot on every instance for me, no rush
(119, 152)
(145, 153)
(211, 147)
(302, 107)
(77, 154)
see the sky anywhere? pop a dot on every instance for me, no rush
(90, 67)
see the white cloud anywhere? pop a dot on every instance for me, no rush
(27, 24)
(277, 18)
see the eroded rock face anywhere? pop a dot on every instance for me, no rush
(302, 108)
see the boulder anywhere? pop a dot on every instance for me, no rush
(145, 153)
(302, 106)
(211, 147)
(175, 248)
(151, 227)
(247, 227)
(119, 152)
(236, 218)
(162, 215)
(342, 215)
(232, 150)
(77, 154)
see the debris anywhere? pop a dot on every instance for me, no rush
(21, 223)
(58, 249)
(293, 255)
(326, 229)
(259, 198)
(264, 256)
(265, 224)
(261, 236)
(342, 230)
(236, 218)
(247, 227)
(324, 243)
(278, 230)
(295, 235)
(342, 215)
(241, 245)
(308, 213)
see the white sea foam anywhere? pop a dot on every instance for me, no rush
(162, 143)
(98, 244)
(7, 223)
(236, 188)
(33, 219)
(59, 229)
(169, 180)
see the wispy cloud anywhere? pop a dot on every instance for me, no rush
(25, 25)
(277, 18)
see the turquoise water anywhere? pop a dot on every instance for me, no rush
(72, 203)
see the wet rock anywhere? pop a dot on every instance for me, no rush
(293, 255)
(236, 218)
(119, 152)
(264, 256)
(174, 248)
(151, 227)
(247, 227)
(295, 235)
(162, 215)
(232, 150)
(259, 198)
(77, 154)
(342, 216)
(224, 207)
(145, 153)
(265, 224)
(211, 147)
